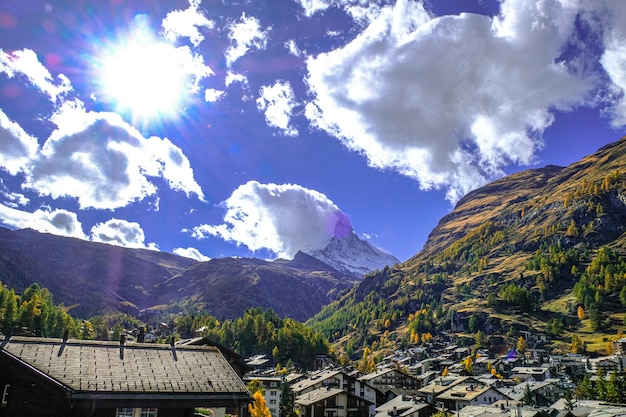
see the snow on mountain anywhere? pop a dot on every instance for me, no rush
(350, 255)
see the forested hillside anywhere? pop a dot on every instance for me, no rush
(542, 250)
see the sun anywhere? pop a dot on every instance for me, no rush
(144, 77)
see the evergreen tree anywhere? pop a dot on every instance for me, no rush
(584, 390)
(286, 401)
(528, 396)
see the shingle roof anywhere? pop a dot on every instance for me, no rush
(108, 367)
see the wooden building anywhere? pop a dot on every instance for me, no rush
(60, 377)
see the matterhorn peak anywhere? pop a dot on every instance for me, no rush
(349, 254)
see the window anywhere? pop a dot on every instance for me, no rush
(272, 401)
(5, 395)
(136, 412)
(273, 393)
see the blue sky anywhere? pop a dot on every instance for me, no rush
(250, 128)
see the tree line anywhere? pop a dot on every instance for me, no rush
(258, 331)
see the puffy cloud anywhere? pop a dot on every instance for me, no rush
(448, 100)
(192, 253)
(58, 222)
(186, 23)
(612, 14)
(16, 146)
(232, 77)
(281, 218)
(120, 233)
(246, 34)
(277, 102)
(105, 163)
(213, 95)
(25, 62)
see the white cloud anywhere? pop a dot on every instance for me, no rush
(362, 11)
(120, 233)
(25, 62)
(186, 23)
(448, 100)
(191, 253)
(232, 77)
(613, 59)
(292, 47)
(281, 218)
(246, 35)
(277, 102)
(103, 162)
(58, 222)
(212, 95)
(16, 146)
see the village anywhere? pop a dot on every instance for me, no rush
(136, 377)
(442, 378)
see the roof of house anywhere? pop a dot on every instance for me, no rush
(491, 411)
(400, 402)
(441, 384)
(463, 393)
(87, 368)
(319, 394)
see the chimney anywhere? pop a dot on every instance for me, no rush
(173, 345)
(142, 335)
(122, 340)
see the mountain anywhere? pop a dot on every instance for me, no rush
(226, 287)
(521, 253)
(353, 256)
(96, 278)
(89, 276)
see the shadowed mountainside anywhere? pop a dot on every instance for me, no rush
(95, 278)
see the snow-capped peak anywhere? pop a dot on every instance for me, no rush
(350, 255)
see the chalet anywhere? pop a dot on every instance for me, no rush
(336, 379)
(332, 402)
(432, 391)
(607, 364)
(384, 378)
(543, 393)
(61, 377)
(464, 394)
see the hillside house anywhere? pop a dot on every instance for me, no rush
(67, 378)
(465, 394)
(382, 379)
(332, 402)
(543, 393)
(607, 364)
(336, 379)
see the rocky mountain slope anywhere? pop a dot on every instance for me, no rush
(226, 287)
(353, 256)
(522, 252)
(94, 278)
